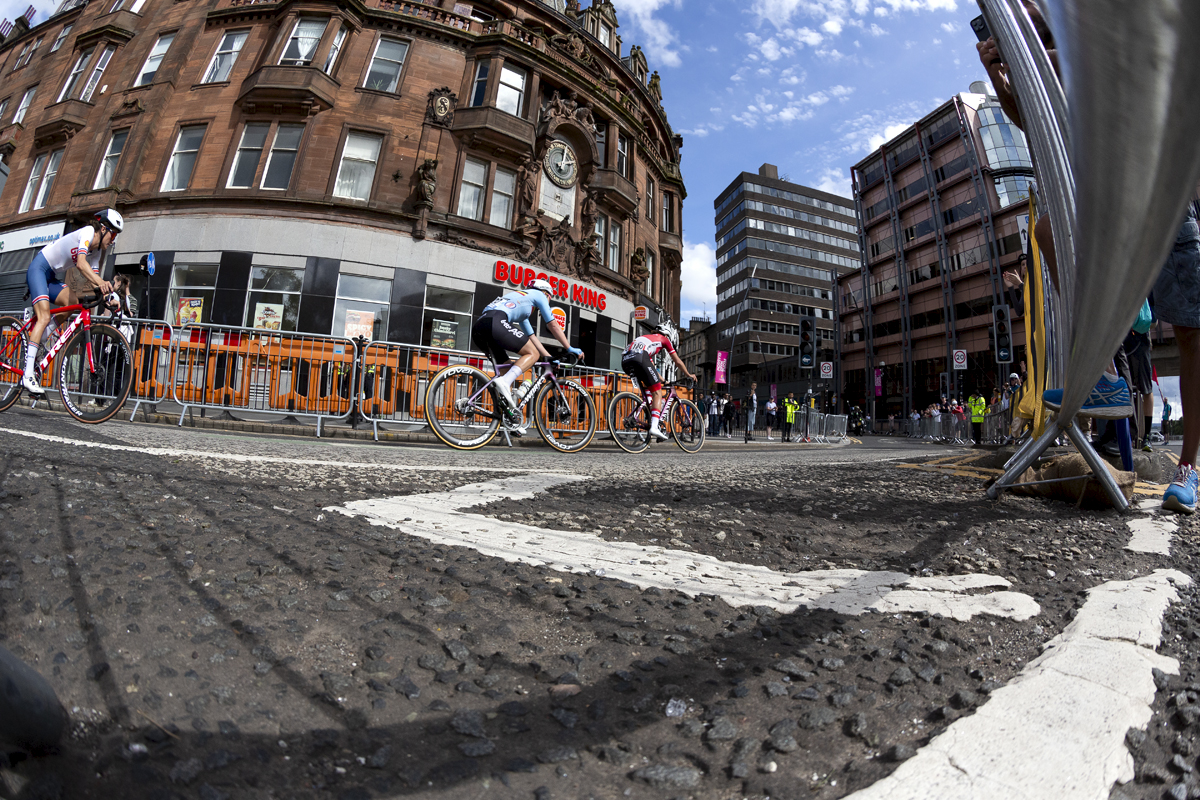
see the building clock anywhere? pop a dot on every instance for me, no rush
(560, 164)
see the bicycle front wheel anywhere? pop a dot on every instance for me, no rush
(12, 350)
(461, 408)
(628, 422)
(565, 416)
(95, 371)
(687, 426)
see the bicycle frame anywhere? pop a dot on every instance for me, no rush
(84, 320)
(668, 401)
(547, 372)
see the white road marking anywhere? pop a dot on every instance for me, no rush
(1057, 729)
(1152, 533)
(171, 452)
(438, 516)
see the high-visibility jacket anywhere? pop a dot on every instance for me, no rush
(978, 408)
(789, 407)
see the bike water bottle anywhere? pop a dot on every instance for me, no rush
(523, 389)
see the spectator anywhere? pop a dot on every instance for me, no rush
(978, 409)
(714, 413)
(789, 415)
(751, 411)
(728, 413)
(1141, 386)
(772, 407)
(1012, 393)
(1166, 417)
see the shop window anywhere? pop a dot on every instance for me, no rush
(447, 318)
(223, 60)
(41, 180)
(361, 308)
(302, 44)
(73, 76)
(112, 157)
(618, 341)
(273, 301)
(339, 40)
(23, 106)
(183, 158)
(384, 74)
(62, 36)
(356, 172)
(192, 290)
(510, 96)
(150, 68)
(479, 93)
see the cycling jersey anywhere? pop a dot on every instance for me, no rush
(519, 306)
(61, 254)
(650, 344)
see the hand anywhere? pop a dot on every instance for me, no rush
(575, 351)
(105, 287)
(989, 55)
(1012, 280)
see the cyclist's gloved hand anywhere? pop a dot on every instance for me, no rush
(575, 351)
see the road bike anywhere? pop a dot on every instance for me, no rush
(95, 362)
(466, 412)
(629, 421)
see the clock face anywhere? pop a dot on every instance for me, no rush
(441, 106)
(560, 164)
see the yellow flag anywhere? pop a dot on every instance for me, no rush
(1029, 404)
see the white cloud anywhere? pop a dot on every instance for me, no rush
(833, 180)
(833, 25)
(806, 36)
(658, 39)
(875, 30)
(712, 49)
(889, 133)
(816, 99)
(700, 132)
(950, 27)
(771, 49)
(841, 91)
(698, 280)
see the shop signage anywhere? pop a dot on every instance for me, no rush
(38, 236)
(560, 316)
(641, 313)
(577, 293)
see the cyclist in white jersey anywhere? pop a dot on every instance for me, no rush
(82, 249)
(504, 326)
(638, 363)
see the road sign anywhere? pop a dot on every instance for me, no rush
(960, 359)
(826, 370)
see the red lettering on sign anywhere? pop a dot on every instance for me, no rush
(541, 276)
(501, 273)
(591, 298)
(600, 304)
(576, 293)
(561, 291)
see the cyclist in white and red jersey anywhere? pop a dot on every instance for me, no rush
(638, 363)
(82, 249)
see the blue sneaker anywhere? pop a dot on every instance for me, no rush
(1109, 400)
(1181, 494)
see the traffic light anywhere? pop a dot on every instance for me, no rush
(808, 343)
(1002, 328)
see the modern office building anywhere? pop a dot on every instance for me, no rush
(780, 250)
(942, 211)
(363, 167)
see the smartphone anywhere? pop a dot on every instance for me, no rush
(980, 26)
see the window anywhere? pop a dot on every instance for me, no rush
(503, 190)
(617, 342)
(97, 73)
(274, 297)
(605, 35)
(384, 74)
(20, 62)
(26, 101)
(614, 246)
(448, 318)
(192, 287)
(112, 156)
(62, 35)
(183, 158)
(302, 44)
(356, 172)
(361, 307)
(668, 221)
(278, 173)
(3, 109)
(150, 68)
(135, 7)
(227, 53)
(27, 53)
(73, 78)
(331, 59)
(648, 288)
(511, 94)
(601, 143)
(470, 195)
(650, 200)
(41, 180)
(481, 78)
(601, 235)
(245, 163)
(623, 154)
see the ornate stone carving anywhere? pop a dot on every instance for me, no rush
(426, 189)
(637, 267)
(655, 87)
(440, 110)
(573, 45)
(589, 212)
(527, 184)
(129, 106)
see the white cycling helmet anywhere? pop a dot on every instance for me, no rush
(541, 284)
(111, 219)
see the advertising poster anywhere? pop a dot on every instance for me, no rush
(359, 323)
(878, 382)
(268, 316)
(560, 316)
(444, 334)
(722, 366)
(190, 310)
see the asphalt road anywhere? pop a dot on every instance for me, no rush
(231, 615)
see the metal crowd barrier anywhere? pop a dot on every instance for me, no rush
(835, 427)
(152, 370)
(814, 427)
(227, 368)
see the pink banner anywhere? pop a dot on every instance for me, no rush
(878, 382)
(722, 366)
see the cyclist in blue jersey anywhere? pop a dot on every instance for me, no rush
(504, 326)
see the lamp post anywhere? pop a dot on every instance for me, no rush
(738, 320)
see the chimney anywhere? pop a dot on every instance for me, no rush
(768, 171)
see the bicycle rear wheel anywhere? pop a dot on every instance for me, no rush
(565, 416)
(12, 351)
(454, 417)
(628, 422)
(687, 426)
(95, 371)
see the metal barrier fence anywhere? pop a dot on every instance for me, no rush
(151, 343)
(835, 427)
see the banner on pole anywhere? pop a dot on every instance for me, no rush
(722, 366)
(878, 382)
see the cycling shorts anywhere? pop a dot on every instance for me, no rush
(496, 336)
(42, 282)
(640, 367)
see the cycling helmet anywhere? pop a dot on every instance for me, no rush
(667, 332)
(541, 284)
(111, 219)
